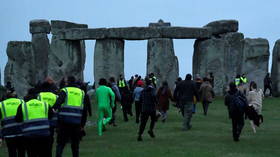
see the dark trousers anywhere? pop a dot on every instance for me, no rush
(51, 140)
(237, 126)
(205, 105)
(138, 107)
(144, 118)
(267, 87)
(15, 147)
(127, 109)
(38, 146)
(66, 134)
(114, 109)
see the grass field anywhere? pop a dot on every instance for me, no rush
(210, 136)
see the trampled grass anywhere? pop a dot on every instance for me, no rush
(210, 136)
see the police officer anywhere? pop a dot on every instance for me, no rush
(35, 116)
(47, 95)
(153, 79)
(10, 128)
(72, 116)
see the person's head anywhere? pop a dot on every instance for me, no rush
(238, 76)
(121, 76)
(49, 80)
(232, 87)
(102, 82)
(205, 79)
(11, 94)
(267, 74)
(211, 74)
(140, 83)
(253, 85)
(243, 75)
(112, 79)
(32, 94)
(188, 77)
(179, 79)
(71, 80)
(148, 81)
(136, 75)
(164, 84)
(45, 87)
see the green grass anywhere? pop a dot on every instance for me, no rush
(210, 136)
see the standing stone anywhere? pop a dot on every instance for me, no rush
(255, 60)
(41, 46)
(221, 56)
(20, 67)
(108, 59)
(161, 59)
(209, 57)
(66, 58)
(275, 70)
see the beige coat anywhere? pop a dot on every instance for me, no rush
(206, 91)
(255, 98)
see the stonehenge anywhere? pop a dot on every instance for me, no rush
(219, 48)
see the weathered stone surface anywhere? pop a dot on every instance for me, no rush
(66, 57)
(275, 70)
(57, 26)
(162, 61)
(223, 26)
(255, 59)
(108, 59)
(233, 55)
(41, 48)
(221, 56)
(135, 33)
(20, 67)
(39, 26)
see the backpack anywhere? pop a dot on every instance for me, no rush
(238, 103)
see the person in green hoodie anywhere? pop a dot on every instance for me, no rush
(105, 99)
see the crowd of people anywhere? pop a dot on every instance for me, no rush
(29, 124)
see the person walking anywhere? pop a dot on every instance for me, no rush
(198, 82)
(11, 130)
(105, 99)
(35, 115)
(72, 116)
(126, 103)
(48, 95)
(207, 94)
(118, 97)
(255, 97)
(185, 92)
(136, 97)
(267, 84)
(237, 104)
(148, 100)
(164, 95)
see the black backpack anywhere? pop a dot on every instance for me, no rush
(238, 103)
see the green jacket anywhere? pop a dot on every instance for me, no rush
(105, 97)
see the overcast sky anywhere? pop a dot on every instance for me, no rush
(257, 18)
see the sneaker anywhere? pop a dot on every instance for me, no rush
(151, 133)
(139, 138)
